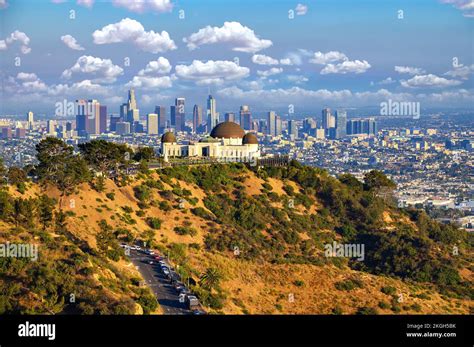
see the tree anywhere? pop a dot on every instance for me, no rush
(104, 156)
(45, 210)
(16, 176)
(59, 165)
(144, 153)
(376, 179)
(211, 278)
(3, 172)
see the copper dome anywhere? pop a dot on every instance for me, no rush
(227, 130)
(250, 139)
(168, 137)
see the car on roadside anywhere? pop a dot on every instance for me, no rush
(151, 262)
(166, 271)
(199, 312)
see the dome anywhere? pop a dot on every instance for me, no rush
(250, 139)
(227, 130)
(168, 138)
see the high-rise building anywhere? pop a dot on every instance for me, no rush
(51, 127)
(123, 128)
(152, 124)
(309, 126)
(278, 126)
(133, 113)
(87, 117)
(212, 115)
(161, 112)
(293, 129)
(271, 130)
(68, 126)
(362, 126)
(6, 133)
(230, 117)
(30, 120)
(20, 133)
(341, 124)
(113, 122)
(197, 117)
(124, 111)
(177, 114)
(327, 119)
(132, 102)
(103, 119)
(245, 117)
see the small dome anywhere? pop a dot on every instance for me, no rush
(227, 130)
(168, 137)
(250, 139)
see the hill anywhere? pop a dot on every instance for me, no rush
(252, 240)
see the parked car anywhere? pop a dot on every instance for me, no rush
(192, 302)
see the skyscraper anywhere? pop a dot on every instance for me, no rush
(30, 120)
(212, 115)
(124, 111)
(341, 124)
(271, 123)
(87, 116)
(51, 127)
(152, 124)
(245, 117)
(103, 119)
(278, 126)
(177, 114)
(161, 112)
(230, 117)
(132, 102)
(293, 129)
(328, 120)
(93, 117)
(309, 126)
(133, 113)
(113, 122)
(197, 117)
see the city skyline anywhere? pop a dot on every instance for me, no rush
(99, 50)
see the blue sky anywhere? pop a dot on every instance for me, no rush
(337, 53)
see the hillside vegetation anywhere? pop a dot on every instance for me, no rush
(250, 240)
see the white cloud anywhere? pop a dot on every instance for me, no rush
(130, 30)
(301, 9)
(388, 80)
(343, 98)
(298, 79)
(104, 69)
(211, 72)
(85, 3)
(466, 6)
(356, 66)
(71, 42)
(141, 6)
(461, 71)
(148, 82)
(159, 66)
(329, 57)
(409, 70)
(429, 81)
(3, 4)
(19, 36)
(239, 37)
(151, 75)
(286, 61)
(262, 59)
(270, 72)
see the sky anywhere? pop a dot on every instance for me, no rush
(303, 55)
